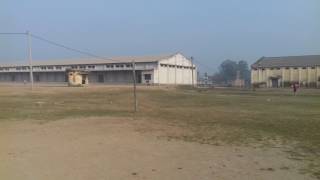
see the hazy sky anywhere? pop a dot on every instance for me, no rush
(209, 30)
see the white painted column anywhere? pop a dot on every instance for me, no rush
(317, 76)
(159, 67)
(308, 75)
(282, 78)
(267, 78)
(299, 75)
(175, 70)
(167, 74)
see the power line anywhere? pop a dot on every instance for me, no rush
(59, 45)
(13, 33)
(204, 65)
(70, 48)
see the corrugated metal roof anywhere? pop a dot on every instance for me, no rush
(86, 61)
(288, 61)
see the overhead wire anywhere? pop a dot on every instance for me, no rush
(70, 48)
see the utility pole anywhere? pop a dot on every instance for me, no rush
(30, 58)
(192, 71)
(134, 86)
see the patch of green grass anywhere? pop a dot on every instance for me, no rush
(213, 116)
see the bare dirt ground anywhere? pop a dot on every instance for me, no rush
(118, 148)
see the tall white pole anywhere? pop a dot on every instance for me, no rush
(192, 71)
(30, 58)
(134, 86)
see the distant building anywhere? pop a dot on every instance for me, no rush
(284, 71)
(173, 69)
(77, 77)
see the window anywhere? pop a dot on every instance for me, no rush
(24, 68)
(18, 68)
(91, 67)
(147, 77)
(119, 65)
(287, 68)
(271, 68)
(295, 68)
(82, 67)
(278, 68)
(304, 68)
(109, 66)
(50, 67)
(43, 68)
(313, 67)
(74, 67)
(58, 67)
(128, 65)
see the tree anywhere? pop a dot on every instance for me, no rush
(243, 67)
(228, 70)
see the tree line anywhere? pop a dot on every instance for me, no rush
(228, 70)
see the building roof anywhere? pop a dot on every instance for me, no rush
(87, 61)
(288, 61)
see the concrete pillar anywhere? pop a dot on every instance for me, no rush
(175, 70)
(291, 74)
(317, 76)
(282, 77)
(267, 77)
(159, 67)
(299, 75)
(308, 75)
(167, 74)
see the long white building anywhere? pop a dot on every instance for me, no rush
(173, 69)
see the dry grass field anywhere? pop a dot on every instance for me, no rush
(178, 133)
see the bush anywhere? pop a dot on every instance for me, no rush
(259, 85)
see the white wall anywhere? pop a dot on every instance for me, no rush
(176, 70)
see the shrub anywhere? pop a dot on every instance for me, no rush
(259, 85)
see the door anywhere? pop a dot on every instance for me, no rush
(275, 83)
(84, 78)
(147, 78)
(100, 78)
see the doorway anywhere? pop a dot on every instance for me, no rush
(84, 79)
(100, 78)
(275, 83)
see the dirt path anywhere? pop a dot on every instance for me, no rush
(96, 148)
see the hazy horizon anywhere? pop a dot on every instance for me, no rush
(211, 31)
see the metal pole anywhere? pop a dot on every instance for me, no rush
(30, 58)
(192, 71)
(134, 86)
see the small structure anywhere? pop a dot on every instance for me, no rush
(77, 77)
(238, 82)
